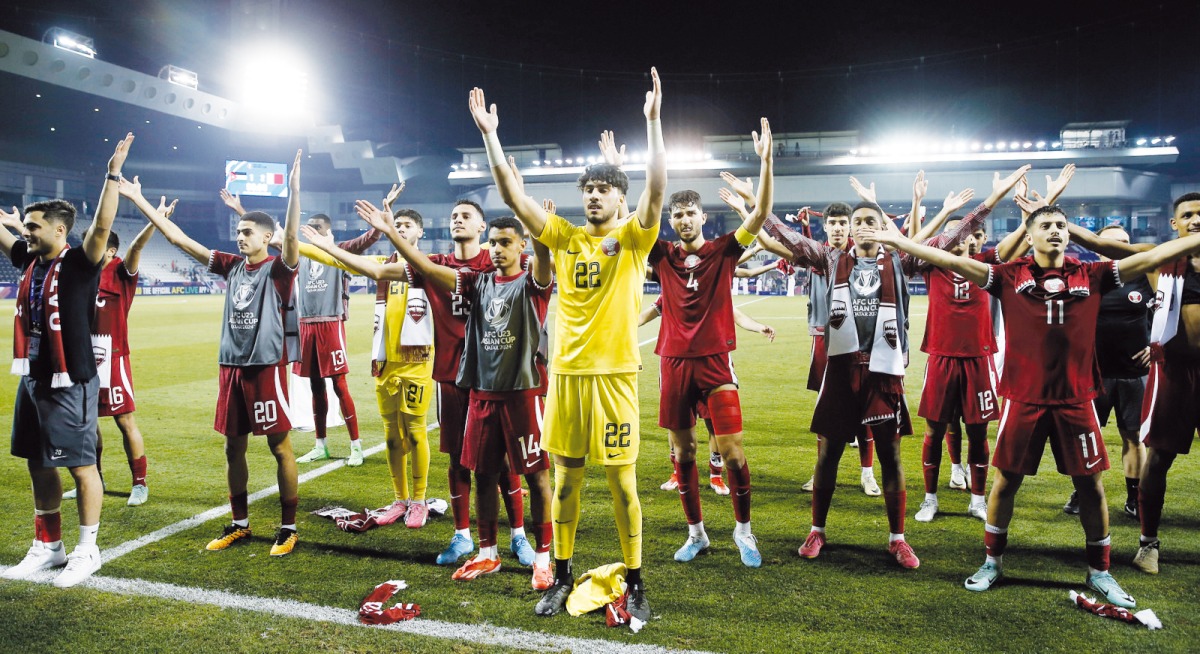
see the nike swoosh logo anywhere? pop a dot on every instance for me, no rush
(563, 522)
(1093, 463)
(270, 425)
(613, 456)
(743, 493)
(57, 458)
(575, 252)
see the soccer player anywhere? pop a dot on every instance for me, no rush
(54, 414)
(695, 338)
(592, 407)
(258, 338)
(1050, 304)
(110, 344)
(866, 344)
(1170, 416)
(324, 306)
(1123, 353)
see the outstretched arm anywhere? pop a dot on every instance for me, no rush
(953, 203)
(751, 325)
(1105, 246)
(764, 203)
(95, 241)
(650, 313)
(10, 221)
(1138, 265)
(527, 210)
(133, 256)
(976, 271)
(649, 207)
(174, 235)
(746, 273)
(613, 157)
(291, 228)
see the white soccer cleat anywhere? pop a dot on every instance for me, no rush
(138, 495)
(356, 455)
(958, 478)
(40, 557)
(869, 486)
(929, 508)
(807, 486)
(81, 564)
(978, 511)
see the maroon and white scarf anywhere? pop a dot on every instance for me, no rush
(842, 334)
(51, 344)
(1077, 278)
(1167, 303)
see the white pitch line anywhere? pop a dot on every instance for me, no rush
(480, 634)
(218, 511)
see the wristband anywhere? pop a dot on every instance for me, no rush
(654, 137)
(113, 177)
(495, 153)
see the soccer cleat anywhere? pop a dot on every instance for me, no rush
(459, 547)
(691, 547)
(317, 453)
(40, 557)
(958, 478)
(812, 545)
(807, 486)
(978, 511)
(718, 485)
(231, 535)
(285, 542)
(637, 604)
(521, 549)
(554, 600)
(356, 455)
(929, 508)
(867, 480)
(81, 564)
(1072, 505)
(671, 484)
(476, 567)
(1131, 509)
(542, 577)
(904, 554)
(1146, 558)
(394, 512)
(418, 513)
(138, 495)
(984, 578)
(1103, 583)
(748, 547)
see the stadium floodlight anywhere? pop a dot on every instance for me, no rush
(708, 156)
(1141, 141)
(1155, 141)
(567, 161)
(474, 166)
(536, 162)
(1056, 144)
(1169, 140)
(558, 162)
(975, 145)
(854, 153)
(70, 41)
(1041, 145)
(180, 76)
(1001, 146)
(989, 147)
(1027, 144)
(545, 162)
(865, 150)
(1014, 145)
(454, 166)
(272, 88)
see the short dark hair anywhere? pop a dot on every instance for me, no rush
(1110, 226)
(321, 217)
(868, 205)
(684, 198)
(58, 211)
(1186, 197)
(259, 218)
(607, 173)
(471, 203)
(508, 222)
(1042, 211)
(838, 209)
(114, 241)
(410, 213)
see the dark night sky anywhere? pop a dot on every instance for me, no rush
(398, 73)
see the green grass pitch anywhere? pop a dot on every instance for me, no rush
(854, 598)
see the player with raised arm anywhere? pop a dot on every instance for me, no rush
(324, 303)
(54, 413)
(695, 339)
(592, 408)
(867, 345)
(258, 339)
(1050, 377)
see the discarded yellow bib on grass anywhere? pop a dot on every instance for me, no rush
(597, 588)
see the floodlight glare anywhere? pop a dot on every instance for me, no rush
(1141, 141)
(273, 88)
(1041, 144)
(1056, 144)
(454, 166)
(1155, 141)
(975, 146)
(1014, 145)
(70, 41)
(1001, 145)
(180, 76)
(1027, 145)
(536, 162)
(988, 147)
(1169, 140)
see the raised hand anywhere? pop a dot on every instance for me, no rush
(653, 98)
(166, 210)
(12, 220)
(803, 215)
(119, 154)
(956, 201)
(920, 187)
(486, 120)
(1001, 186)
(762, 143)
(732, 199)
(377, 218)
(1028, 205)
(234, 202)
(128, 189)
(864, 193)
(548, 206)
(323, 241)
(294, 176)
(397, 189)
(1055, 187)
(608, 149)
(744, 188)
(517, 177)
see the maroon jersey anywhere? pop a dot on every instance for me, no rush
(960, 315)
(450, 312)
(115, 297)
(1050, 327)
(697, 308)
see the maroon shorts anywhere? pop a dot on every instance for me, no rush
(1171, 406)
(253, 399)
(452, 418)
(511, 427)
(685, 382)
(959, 387)
(117, 399)
(816, 369)
(1072, 429)
(323, 349)
(853, 397)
